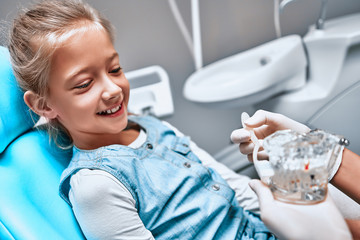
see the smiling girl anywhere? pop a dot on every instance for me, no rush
(130, 177)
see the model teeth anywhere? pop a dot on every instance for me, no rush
(110, 111)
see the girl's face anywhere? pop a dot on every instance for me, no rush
(88, 92)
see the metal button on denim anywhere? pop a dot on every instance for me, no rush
(187, 164)
(149, 146)
(216, 187)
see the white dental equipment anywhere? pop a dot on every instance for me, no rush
(245, 78)
(150, 92)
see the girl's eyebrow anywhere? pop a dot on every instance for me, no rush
(114, 55)
(77, 72)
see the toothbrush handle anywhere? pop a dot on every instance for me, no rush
(263, 168)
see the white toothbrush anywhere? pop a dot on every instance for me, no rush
(263, 168)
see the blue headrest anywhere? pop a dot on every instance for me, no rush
(30, 205)
(15, 116)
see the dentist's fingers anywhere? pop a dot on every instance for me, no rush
(275, 121)
(260, 156)
(248, 147)
(240, 135)
(262, 117)
(262, 191)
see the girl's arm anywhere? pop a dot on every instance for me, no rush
(104, 208)
(347, 178)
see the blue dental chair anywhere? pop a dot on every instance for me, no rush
(30, 169)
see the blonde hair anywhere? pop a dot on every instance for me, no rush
(38, 31)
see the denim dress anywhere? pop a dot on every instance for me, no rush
(176, 196)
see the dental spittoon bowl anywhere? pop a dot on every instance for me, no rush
(250, 76)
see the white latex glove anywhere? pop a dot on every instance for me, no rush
(292, 221)
(263, 123)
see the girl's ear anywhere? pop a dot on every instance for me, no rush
(38, 104)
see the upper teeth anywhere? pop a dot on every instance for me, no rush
(110, 111)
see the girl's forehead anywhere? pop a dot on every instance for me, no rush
(82, 43)
(76, 31)
(48, 44)
(92, 49)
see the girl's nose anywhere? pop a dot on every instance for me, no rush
(111, 89)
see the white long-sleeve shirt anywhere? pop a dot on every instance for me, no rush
(105, 209)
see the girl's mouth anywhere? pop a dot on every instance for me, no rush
(110, 111)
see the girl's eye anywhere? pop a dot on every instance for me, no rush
(116, 70)
(84, 85)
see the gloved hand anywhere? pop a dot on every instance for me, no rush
(291, 221)
(263, 123)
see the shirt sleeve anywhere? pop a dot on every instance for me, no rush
(239, 183)
(104, 208)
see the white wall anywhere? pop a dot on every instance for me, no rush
(147, 34)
